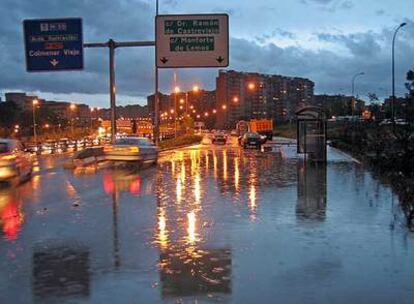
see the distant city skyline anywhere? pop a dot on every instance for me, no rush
(326, 41)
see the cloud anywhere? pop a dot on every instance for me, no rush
(101, 20)
(331, 5)
(123, 20)
(275, 34)
(330, 70)
(365, 45)
(347, 4)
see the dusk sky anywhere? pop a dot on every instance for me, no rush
(327, 41)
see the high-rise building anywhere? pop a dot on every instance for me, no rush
(245, 96)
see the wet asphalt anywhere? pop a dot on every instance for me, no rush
(207, 224)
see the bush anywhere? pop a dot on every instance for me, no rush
(285, 130)
(181, 141)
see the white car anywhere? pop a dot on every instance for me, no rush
(15, 163)
(401, 122)
(139, 149)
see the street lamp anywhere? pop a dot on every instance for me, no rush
(176, 91)
(251, 86)
(393, 74)
(72, 108)
(35, 102)
(353, 92)
(91, 116)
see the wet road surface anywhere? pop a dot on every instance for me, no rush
(208, 224)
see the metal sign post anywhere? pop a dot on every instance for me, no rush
(53, 44)
(200, 40)
(112, 45)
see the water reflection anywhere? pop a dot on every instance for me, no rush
(11, 214)
(198, 272)
(162, 229)
(120, 180)
(225, 165)
(236, 173)
(311, 203)
(191, 230)
(178, 190)
(61, 271)
(197, 188)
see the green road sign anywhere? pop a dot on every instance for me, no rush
(192, 41)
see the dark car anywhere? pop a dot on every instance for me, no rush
(251, 139)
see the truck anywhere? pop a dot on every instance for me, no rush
(262, 126)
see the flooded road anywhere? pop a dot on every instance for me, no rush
(208, 224)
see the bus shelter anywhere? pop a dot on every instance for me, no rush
(311, 133)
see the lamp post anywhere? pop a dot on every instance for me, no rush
(393, 74)
(92, 110)
(353, 92)
(35, 102)
(72, 108)
(176, 91)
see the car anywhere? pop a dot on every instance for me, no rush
(15, 163)
(401, 122)
(49, 147)
(385, 122)
(219, 138)
(251, 139)
(139, 149)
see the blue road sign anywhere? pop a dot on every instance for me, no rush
(53, 44)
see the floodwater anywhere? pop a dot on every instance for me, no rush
(208, 224)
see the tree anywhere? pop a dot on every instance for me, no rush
(372, 97)
(410, 83)
(409, 108)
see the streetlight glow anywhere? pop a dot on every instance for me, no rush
(235, 99)
(72, 107)
(177, 89)
(251, 86)
(35, 102)
(224, 107)
(196, 89)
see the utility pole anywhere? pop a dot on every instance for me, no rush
(156, 130)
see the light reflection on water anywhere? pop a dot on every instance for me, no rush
(220, 225)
